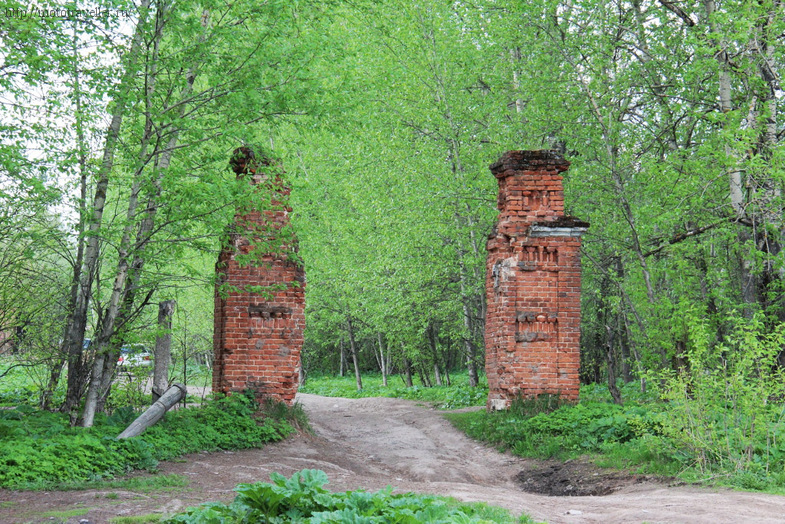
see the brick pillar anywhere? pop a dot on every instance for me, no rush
(259, 295)
(533, 283)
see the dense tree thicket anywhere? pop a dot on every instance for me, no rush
(115, 187)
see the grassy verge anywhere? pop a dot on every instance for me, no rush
(644, 436)
(38, 450)
(458, 395)
(145, 484)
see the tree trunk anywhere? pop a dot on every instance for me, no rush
(154, 413)
(57, 369)
(425, 379)
(612, 368)
(73, 343)
(382, 361)
(54, 378)
(353, 349)
(163, 349)
(131, 260)
(342, 363)
(471, 365)
(626, 371)
(435, 353)
(407, 372)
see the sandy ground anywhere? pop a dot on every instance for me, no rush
(375, 442)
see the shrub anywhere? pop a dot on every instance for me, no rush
(303, 499)
(725, 410)
(568, 430)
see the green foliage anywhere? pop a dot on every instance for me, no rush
(40, 449)
(225, 423)
(294, 414)
(20, 381)
(565, 432)
(727, 425)
(129, 389)
(303, 498)
(152, 518)
(458, 395)
(726, 411)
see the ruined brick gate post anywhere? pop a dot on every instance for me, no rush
(533, 283)
(259, 294)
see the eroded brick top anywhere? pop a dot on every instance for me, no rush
(516, 161)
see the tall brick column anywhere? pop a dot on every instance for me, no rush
(259, 295)
(533, 283)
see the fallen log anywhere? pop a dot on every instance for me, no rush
(154, 413)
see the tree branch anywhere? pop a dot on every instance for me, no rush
(684, 236)
(678, 11)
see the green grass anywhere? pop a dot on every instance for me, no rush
(627, 437)
(18, 385)
(143, 484)
(636, 437)
(63, 515)
(152, 518)
(458, 395)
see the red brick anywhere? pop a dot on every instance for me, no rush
(248, 347)
(530, 191)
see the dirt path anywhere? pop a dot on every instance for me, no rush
(375, 442)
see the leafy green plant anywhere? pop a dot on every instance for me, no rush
(544, 403)
(41, 450)
(294, 414)
(303, 499)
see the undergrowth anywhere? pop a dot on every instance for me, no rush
(303, 499)
(39, 450)
(642, 436)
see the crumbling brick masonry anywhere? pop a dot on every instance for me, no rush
(258, 335)
(533, 283)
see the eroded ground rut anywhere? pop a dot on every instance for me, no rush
(375, 442)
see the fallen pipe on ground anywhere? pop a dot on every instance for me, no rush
(154, 413)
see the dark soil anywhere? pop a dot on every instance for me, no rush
(575, 478)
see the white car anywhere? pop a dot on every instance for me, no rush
(135, 355)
